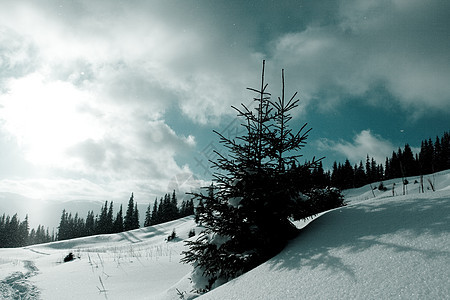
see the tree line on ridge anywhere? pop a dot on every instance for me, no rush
(16, 233)
(432, 157)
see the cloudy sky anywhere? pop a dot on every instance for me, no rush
(99, 99)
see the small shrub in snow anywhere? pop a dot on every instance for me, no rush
(191, 233)
(172, 236)
(69, 257)
(381, 187)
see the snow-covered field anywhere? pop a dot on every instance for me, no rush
(137, 264)
(381, 247)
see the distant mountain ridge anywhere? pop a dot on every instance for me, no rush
(43, 212)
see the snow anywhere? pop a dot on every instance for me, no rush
(375, 248)
(137, 264)
(235, 201)
(380, 247)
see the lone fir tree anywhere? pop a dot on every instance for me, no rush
(247, 211)
(129, 219)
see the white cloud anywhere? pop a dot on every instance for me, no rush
(133, 53)
(87, 85)
(66, 131)
(399, 46)
(363, 144)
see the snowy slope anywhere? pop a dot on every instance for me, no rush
(376, 248)
(137, 264)
(440, 181)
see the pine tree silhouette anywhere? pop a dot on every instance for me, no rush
(255, 192)
(128, 219)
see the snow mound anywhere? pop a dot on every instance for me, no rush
(384, 248)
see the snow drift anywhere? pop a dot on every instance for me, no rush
(375, 248)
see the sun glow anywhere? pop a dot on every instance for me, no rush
(46, 119)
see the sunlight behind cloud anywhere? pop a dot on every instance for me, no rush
(114, 91)
(45, 119)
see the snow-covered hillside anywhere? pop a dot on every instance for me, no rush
(138, 264)
(375, 248)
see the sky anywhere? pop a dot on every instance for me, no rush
(99, 99)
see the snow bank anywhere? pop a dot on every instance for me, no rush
(397, 247)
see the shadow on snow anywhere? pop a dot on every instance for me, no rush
(359, 227)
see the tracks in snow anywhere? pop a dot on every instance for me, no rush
(17, 285)
(36, 251)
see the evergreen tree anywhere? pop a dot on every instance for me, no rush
(190, 210)
(348, 175)
(23, 232)
(187, 208)
(402, 163)
(148, 216)
(128, 219)
(183, 209)
(167, 209)
(78, 227)
(13, 230)
(444, 159)
(426, 157)
(408, 162)
(69, 229)
(40, 235)
(200, 207)
(374, 170)
(161, 212)
(319, 177)
(2, 230)
(360, 175)
(154, 217)
(32, 237)
(16, 233)
(102, 222)
(395, 171)
(90, 224)
(63, 233)
(247, 220)
(380, 172)
(387, 169)
(135, 217)
(109, 224)
(174, 213)
(369, 173)
(10, 235)
(118, 222)
(335, 176)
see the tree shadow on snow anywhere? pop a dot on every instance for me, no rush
(357, 228)
(129, 236)
(144, 233)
